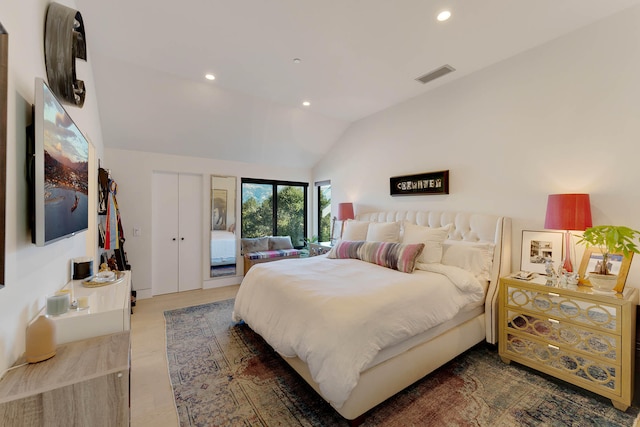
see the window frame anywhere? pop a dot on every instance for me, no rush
(319, 185)
(274, 217)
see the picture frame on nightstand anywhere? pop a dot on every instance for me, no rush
(619, 265)
(537, 247)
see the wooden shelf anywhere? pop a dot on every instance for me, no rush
(85, 383)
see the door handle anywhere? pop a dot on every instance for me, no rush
(182, 238)
(174, 239)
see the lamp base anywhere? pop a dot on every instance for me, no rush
(567, 265)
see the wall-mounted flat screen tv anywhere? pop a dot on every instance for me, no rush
(59, 170)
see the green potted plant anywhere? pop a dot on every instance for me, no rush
(609, 239)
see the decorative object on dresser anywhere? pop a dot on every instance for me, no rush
(420, 184)
(538, 247)
(573, 334)
(607, 266)
(64, 41)
(568, 212)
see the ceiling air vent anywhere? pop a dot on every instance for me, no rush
(438, 72)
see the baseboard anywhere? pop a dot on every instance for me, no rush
(144, 294)
(221, 282)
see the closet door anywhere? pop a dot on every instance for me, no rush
(164, 222)
(177, 238)
(190, 226)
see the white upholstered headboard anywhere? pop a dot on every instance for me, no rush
(469, 227)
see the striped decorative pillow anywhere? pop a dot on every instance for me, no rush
(396, 256)
(391, 255)
(345, 249)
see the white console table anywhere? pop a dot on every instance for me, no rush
(109, 311)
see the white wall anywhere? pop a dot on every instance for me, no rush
(32, 272)
(561, 118)
(133, 171)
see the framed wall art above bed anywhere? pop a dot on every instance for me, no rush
(420, 184)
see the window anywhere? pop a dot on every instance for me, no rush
(274, 208)
(324, 211)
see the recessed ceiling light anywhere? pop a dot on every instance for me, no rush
(209, 77)
(306, 103)
(297, 60)
(444, 15)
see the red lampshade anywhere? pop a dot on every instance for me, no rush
(345, 211)
(568, 212)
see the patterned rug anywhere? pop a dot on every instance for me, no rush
(225, 375)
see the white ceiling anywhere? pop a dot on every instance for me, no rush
(358, 57)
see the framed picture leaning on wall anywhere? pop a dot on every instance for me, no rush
(537, 247)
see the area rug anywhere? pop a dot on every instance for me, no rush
(223, 374)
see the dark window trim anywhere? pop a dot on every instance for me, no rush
(275, 183)
(319, 184)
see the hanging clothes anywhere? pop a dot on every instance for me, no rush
(111, 239)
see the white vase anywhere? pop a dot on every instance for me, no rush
(603, 282)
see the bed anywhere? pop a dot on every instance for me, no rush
(420, 320)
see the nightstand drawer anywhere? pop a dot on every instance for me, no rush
(579, 369)
(585, 312)
(567, 335)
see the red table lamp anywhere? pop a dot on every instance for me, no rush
(345, 212)
(568, 212)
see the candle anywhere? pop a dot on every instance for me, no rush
(83, 302)
(57, 304)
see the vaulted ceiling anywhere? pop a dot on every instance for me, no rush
(356, 57)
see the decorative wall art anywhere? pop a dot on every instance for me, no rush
(537, 247)
(424, 183)
(64, 41)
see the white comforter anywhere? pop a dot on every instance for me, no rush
(336, 314)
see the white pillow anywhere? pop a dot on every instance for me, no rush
(384, 232)
(474, 257)
(355, 230)
(431, 237)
